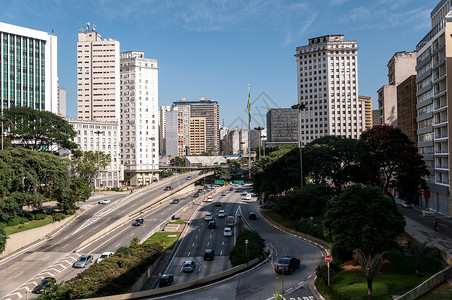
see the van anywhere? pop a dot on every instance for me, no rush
(230, 221)
(248, 197)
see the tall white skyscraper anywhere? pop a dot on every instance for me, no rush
(28, 68)
(97, 76)
(139, 112)
(327, 72)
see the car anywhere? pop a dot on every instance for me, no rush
(231, 188)
(286, 265)
(168, 188)
(248, 197)
(252, 216)
(212, 225)
(189, 266)
(105, 201)
(201, 172)
(188, 177)
(221, 213)
(166, 280)
(407, 204)
(209, 254)
(209, 198)
(138, 222)
(103, 256)
(223, 194)
(46, 284)
(208, 217)
(218, 203)
(195, 195)
(83, 261)
(175, 201)
(230, 221)
(199, 191)
(227, 231)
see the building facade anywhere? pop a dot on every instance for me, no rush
(368, 110)
(139, 112)
(198, 135)
(28, 68)
(433, 64)
(162, 128)
(175, 143)
(236, 141)
(282, 126)
(376, 117)
(406, 108)
(327, 73)
(104, 137)
(97, 76)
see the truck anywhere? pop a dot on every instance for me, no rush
(230, 221)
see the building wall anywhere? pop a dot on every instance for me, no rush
(406, 108)
(62, 102)
(97, 77)
(401, 66)
(387, 103)
(327, 72)
(162, 128)
(282, 125)
(22, 47)
(376, 117)
(139, 112)
(198, 141)
(368, 109)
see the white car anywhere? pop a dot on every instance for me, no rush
(227, 231)
(208, 217)
(105, 201)
(221, 213)
(104, 256)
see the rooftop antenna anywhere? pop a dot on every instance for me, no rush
(87, 27)
(94, 27)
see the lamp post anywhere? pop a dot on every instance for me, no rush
(98, 154)
(260, 129)
(300, 107)
(3, 120)
(263, 144)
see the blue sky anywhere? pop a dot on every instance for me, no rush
(214, 49)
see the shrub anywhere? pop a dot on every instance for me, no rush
(242, 253)
(39, 216)
(322, 281)
(59, 217)
(16, 220)
(313, 228)
(70, 212)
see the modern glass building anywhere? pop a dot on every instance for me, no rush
(28, 68)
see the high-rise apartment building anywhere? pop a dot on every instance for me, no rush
(174, 138)
(368, 110)
(434, 86)
(282, 126)
(406, 108)
(139, 112)
(236, 141)
(97, 76)
(327, 73)
(28, 68)
(198, 135)
(162, 128)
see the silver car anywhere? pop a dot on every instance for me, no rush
(83, 261)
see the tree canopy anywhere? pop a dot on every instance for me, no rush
(362, 217)
(222, 173)
(87, 164)
(39, 130)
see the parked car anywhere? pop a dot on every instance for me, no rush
(175, 201)
(218, 203)
(166, 280)
(252, 216)
(188, 177)
(208, 217)
(221, 213)
(105, 201)
(46, 284)
(223, 194)
(199, 191)
(83, 261)
(407, 204)
(103, 256)
(286, 265)
(168, 188)
(231, 188)
(189, 266)
(227, 231)
(138, 222)
(212, 225)
(209, 254)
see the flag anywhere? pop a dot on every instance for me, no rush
(249, 102)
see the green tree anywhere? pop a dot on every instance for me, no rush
(419, 250)
(3, 237)
(177, 162)
(388, 149)
(79, 191)
(88, 164)
(39, 130)
(361, 217)
(370, 265)
(222, 173)
(331, 159)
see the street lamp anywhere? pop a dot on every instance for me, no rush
(263, 144)
(260, 129)
(3, 120)
(300, 107)
(98, 159)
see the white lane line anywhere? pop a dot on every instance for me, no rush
(222, 243)
(188, 253)
(132, 234)
(309, 276)
(208, 243)
(301, 282)
(221, 252)
(196, 237)
(19, 274)
(192, 244)
(117, 246)
(210, 236)
(45, 257)
(79, 237)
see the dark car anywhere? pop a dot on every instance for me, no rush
(209, 254)
(286, 265)
(195, 195)
(175, 201)
(166, 280)
(138, 222)
(231, 188)
(200, 191)
(168, 188)
(223, 194)
(188, 177)
(218, 203)
(45, 285)
(252, 216)
(189, 266)
(212, 225)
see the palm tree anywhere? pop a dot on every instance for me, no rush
(370, 264)
(419, 250)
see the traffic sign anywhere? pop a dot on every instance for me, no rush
(246, 241)
(219, 182)
(241, 182)
(328, 258)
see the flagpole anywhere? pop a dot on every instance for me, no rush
(249, 132)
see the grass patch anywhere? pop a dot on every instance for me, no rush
(395, 278)
(279, 219)
(29, 225)
(442, 292)
(164, 239)
(177, 222)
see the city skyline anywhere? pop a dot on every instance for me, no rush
(213, 49)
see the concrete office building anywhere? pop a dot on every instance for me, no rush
(406, 108)
(282, 127)
(376, 117)
(401, 66)
(162, 128)
(97, 76)
(107, 142)
(62, 102)
(198, 135)
(236, 141)
(368, 110)
(434, 86)
(28, 68)
(139, 111)
(327, 73)
(174, 138)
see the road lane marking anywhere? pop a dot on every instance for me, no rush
(117, 246)
(188, 253)
(19, 274)
(208, 243)
(221, 252)
(210, 236)
(192, 244)
(196, 237)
